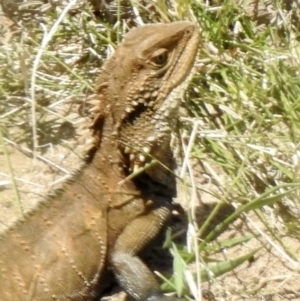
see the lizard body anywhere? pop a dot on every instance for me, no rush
(98, 222)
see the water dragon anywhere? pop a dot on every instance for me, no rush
(102, 218)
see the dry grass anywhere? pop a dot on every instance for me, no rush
(242, 129)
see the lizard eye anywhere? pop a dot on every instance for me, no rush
(159, 58)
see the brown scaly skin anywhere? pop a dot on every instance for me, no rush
(66, 247)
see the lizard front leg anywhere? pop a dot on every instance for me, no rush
(132, 274)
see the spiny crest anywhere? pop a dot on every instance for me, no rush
(89, 131)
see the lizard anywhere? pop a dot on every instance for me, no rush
(96, 225)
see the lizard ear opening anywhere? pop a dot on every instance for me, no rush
(135, 113)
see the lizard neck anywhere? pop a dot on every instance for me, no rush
(105, 165)
(108, 165)
(107, 156)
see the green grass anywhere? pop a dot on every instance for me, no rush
(244, 117)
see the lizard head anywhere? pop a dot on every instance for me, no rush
(142, 85)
